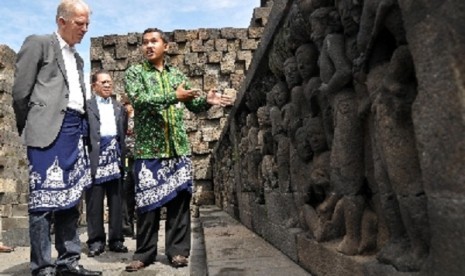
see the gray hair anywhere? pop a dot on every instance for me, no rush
(66, 8)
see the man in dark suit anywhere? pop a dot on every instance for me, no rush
(107, 125)
(49, 104)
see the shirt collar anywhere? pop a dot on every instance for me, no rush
(63, 44)
(148, 65)
(103, 100)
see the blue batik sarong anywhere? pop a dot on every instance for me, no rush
(109, 162)
(59, 173)
(159, 180)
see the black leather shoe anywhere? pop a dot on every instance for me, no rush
(95, 251)
(48, 271)
(77, 271)
(118, 247)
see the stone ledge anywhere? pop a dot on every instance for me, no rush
(323, 259)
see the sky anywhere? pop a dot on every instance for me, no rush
(21, 18)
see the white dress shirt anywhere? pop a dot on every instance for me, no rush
(107, 116)
(76, 95)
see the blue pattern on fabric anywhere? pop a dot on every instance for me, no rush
(59, 173)
(109, 162)
(159, 180)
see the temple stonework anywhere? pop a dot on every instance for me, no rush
(345, 147)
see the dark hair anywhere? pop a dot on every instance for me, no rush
(100, 71)
(164, 37)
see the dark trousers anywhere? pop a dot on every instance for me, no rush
(177, 230)
(94, 212)
(67, 241)
(129, 201)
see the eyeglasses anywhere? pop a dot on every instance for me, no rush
(110, 83)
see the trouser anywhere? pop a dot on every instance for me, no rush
(177, 230)
(94, 211)
(128, 198)
(67, 241)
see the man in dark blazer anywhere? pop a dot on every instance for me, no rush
(107, 125)
(49, 104)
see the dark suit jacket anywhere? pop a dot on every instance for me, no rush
(94, 131)
(40, 90)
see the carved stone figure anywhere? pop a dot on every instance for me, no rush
(379, 19)
(265, 137)
(296, 29)
(319, 200)
(347, 146)
(307, 64)
(291, 72)
(407, 250)
(253, 157)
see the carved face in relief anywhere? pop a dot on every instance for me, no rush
(316, 134)
(350, 14)
(291, 72)
(307, 59)
(324, 21)
(279, 94)
(303, 147)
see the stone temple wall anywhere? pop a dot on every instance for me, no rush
(210, 58)
(345, 148)
(13, 162)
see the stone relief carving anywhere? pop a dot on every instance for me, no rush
(336, 130)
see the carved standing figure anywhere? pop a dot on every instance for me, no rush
(396, 140)
(347, 145)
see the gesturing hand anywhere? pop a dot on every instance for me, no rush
(184, 95)
(215, 98)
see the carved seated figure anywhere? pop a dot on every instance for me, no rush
(320, 201)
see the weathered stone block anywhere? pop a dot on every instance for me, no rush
(209, 46)
(19, 210)
(255, 32)
(197, 46)
(15, 223)
(121, 47)
(200, 147)
(202, 167)
(228, 63)
(204, 198)
(214, 57)
(17, 237)
(206, 34)
(221, 45)
(133, 38)
(110, 40)
(215, 112)
(249, 44)
(191, 59)
(180, 36)
(210, 81)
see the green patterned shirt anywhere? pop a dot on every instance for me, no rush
(158, 115)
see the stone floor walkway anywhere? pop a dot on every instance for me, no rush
(220, 247)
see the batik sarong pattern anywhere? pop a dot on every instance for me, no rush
(59, 173)
(159, 180)
(109, 160)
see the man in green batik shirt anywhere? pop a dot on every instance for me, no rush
(162, 168)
